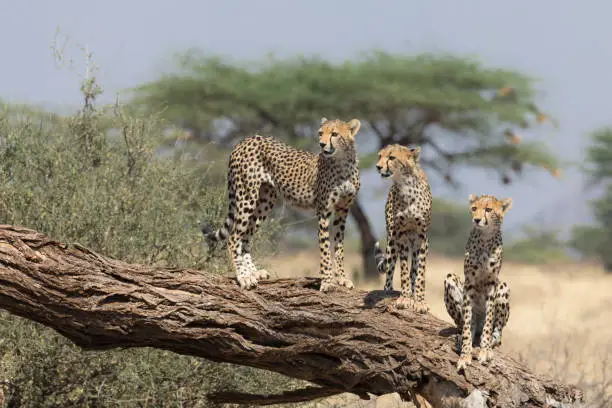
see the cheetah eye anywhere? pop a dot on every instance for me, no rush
(334, 134)
(473, 208)
(488, 210)
(391, 157)
(320, 133)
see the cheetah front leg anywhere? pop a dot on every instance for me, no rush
(339, 227)
(485, 342)
(327, 282)
(465, 357)
(417, 273)
(405, 299)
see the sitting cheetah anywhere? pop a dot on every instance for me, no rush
(481, 305)
(327, 182)
(408, 215)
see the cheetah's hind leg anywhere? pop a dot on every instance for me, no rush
(265, 205)
(238, 242)
(502, 313)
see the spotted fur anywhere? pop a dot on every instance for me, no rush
(260, 167)
(408, 216)
(480, 307)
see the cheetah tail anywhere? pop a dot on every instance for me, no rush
(221, 234)
(379, 258)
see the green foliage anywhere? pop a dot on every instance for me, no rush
(407, 99)
(538, 247)
(118, 196)
(589, 241)
(599, 155)
(595, 241)
(105, 179)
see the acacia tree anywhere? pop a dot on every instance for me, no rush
(594, 241)
(459, 111)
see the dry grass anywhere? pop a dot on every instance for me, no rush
(560, 321)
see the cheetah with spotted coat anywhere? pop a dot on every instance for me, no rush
(408, 216)
(260, 167)
(480, 307)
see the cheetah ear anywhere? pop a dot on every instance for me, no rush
(506, 205)
(323, 120)
(416, 152)
(354, 125)
(472, 198)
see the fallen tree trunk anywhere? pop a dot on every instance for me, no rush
(347, 341)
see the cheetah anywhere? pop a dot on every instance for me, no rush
(408, 216)
(480, 307)
(260, 167)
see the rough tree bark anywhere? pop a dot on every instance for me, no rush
(348, 341)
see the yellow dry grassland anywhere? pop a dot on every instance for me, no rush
(560, 321)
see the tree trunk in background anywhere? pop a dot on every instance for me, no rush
(348, 341)
(367, 242)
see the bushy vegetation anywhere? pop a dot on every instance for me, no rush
(104, 178)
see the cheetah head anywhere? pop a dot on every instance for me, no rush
(488, 211)
(337, 136)
(396, 160)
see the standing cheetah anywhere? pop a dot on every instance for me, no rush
(408, 215)
(481, 305)
(327, 182)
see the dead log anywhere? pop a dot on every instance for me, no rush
(346, 341)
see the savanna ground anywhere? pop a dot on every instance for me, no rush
(559, 323)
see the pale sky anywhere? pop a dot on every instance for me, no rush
(565, 44)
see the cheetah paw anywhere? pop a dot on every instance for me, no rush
(420, 306)
(327, 286)
(485, 356)
(261, 274)
(246, 280)
(345, 282)
(403, 302)
(463, 362)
